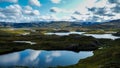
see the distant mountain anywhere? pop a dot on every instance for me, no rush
(106, 25)
(63, 24)
(22, 25)
(52, 24)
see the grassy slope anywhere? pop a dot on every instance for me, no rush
(11, 32)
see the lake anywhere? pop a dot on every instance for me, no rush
(64, 33)
(42, 58)
(106, 36)
(29, 42)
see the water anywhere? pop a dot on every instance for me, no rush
(29, 42)
(64, 33)
(41, 58)
(106, 36)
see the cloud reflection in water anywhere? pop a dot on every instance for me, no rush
(41, 58)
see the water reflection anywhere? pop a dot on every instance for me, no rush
(29, 42)
(107, 36)
(43, 58)
(62, 34)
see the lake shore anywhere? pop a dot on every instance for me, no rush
(105, 57)
(106, 50)
(71, 42)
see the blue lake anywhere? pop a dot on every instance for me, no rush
(42, 58)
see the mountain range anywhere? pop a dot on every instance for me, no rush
(63, 24)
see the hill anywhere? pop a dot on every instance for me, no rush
(114, 24)
(64, 24)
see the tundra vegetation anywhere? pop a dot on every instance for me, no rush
(106, 51)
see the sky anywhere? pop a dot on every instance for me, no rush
(59, 10)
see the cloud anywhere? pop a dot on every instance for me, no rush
(28, 8)
(2, 16)
(110, 7)
(60, 10)
(56, 1)
(29, 11)
(55, 10)
(53, 17)
(80, 17)
(100, 10)
(16, 13)
(89, 10)
(114, 1)
(11, 12)
(32, 12)
(35, 3)
(77, 12)
(11, 1)
(11, 9)
(94, 19)
(36, 12)
(116, 9)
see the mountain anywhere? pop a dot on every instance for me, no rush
(22, 25)
(63, 24)
(52, 24)
(111, 25)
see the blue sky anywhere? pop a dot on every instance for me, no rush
(59, 10)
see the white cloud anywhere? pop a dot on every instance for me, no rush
(36, 12)
(11, 1)
(15, 13)
(12, 12)
(89, 10)
(31, 12)
(2, 16)
(54, 17)
(80, 17)
(117, 16)
(35, 3)
(66, 18)
(45, 18)
(28, 8)
(94, 10)
(56, 1)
